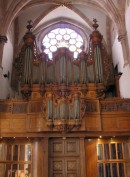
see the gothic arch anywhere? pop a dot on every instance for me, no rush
(108, 8)
(13, 10)
(57, 23)
(75, 10)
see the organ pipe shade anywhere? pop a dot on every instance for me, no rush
(28, 65)
(63, 110)
(95, 55)
(63, 69)
(98, 64)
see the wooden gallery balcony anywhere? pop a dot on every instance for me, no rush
(97, 117)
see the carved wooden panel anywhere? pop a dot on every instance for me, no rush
(5, 107)
(19, 108)
(58, 165)
(109, 123)
(18, 124)
(115, 105)
(123, 123)
(91, 106)
(71, 147)
(58, 175)
(57, 168)
(106, 115)
(66, 147)
(36, 106)
(64, 167)
(56, 147)
(93, 122)
(13, 123)
(5, 124)
(118, 122)
(64, 158)
(35, 122)
(71, 175)
(72, 166)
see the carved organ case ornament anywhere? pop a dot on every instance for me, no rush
(64, 83)
(99, 65)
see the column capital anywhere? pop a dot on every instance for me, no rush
(1, 70)
(1, 67)
(3, 39)
(123, 39)
(122, 36)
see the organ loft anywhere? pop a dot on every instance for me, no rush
(62, 107)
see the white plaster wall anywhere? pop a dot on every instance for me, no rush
(117, 55)
(127, 19)
(124, 82)
(7, 66)
(29, 14)
(125, 78)
(62, 12)
(92, 13)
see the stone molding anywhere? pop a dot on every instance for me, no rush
(123, 39)
(3, 39)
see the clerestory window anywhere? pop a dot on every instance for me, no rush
(62, 37)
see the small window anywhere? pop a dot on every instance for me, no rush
(113, 158)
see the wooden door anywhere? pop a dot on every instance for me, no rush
(64, 158)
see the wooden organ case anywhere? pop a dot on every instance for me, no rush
(63, 105)
(64, 83)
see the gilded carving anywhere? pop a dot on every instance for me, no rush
(62, 126)
(18, 66)
(43, 110)
(26, 91)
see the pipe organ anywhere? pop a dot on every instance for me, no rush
(64, 82)
(65, 104)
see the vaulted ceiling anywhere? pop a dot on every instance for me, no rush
(77, 11)
(80, 13)
(46, 15)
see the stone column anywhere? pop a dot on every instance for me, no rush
(125, 49)
(3, 40)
